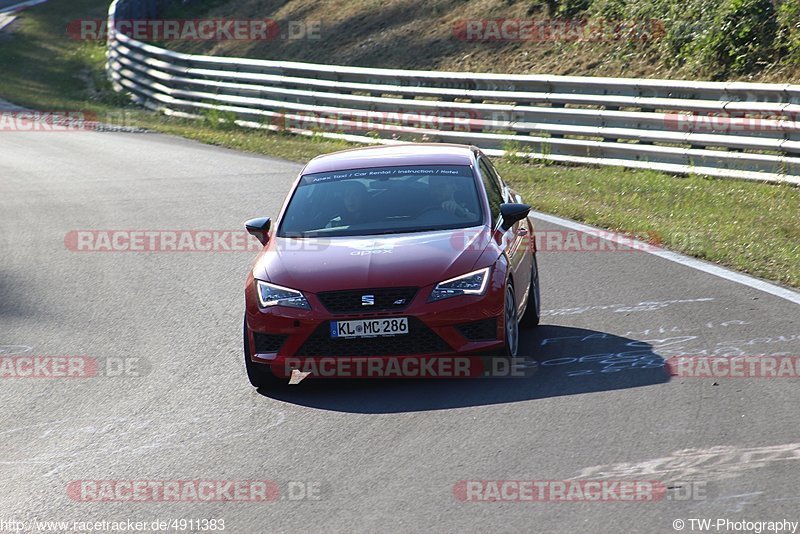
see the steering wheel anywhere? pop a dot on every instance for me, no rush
(428, 209)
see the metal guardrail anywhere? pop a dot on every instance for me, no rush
(710, 128)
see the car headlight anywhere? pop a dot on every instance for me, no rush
(274, 295)
(473, 283)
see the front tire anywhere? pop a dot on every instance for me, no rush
(259, 374)
(511, 323)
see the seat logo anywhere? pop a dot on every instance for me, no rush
(367, 300)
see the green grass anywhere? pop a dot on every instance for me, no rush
(41, 67)
(749, 226)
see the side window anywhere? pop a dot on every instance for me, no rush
(496, 176)
(493, 192)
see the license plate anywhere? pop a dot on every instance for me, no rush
(392, 326)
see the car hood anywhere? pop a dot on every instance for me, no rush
(414, 259)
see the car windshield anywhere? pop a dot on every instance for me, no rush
(383, 200)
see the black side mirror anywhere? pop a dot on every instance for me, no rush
(259, 228)
(512, 213)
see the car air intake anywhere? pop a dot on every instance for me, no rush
(484, 330)
(419, 340)
(268, 342)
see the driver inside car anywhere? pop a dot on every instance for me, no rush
(443, 193)
(354, 201)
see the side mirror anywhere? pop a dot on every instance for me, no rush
(512, 213)
(259, 228)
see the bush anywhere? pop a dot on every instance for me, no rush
(788, 39)
(570, 8)
(740, 39)
(609, 9)
(713, 38)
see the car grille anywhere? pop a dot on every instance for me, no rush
(419, 340)
(386, 299)
(483, 330)
(268, 342)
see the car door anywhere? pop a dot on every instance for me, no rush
(516, 239)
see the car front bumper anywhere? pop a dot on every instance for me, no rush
(447, 332)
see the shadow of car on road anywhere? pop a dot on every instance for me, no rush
(571, 361)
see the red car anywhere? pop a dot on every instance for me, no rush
(398, 252)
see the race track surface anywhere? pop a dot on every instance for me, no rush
(376, 455)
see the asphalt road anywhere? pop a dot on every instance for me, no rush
(376, 455)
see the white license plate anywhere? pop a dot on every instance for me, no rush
(390, 326)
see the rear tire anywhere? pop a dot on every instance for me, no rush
(533, 311)
(260, 374)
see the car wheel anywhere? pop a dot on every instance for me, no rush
(533, 311)
(511, 323)
(260, 374)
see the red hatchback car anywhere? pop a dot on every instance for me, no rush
(398, 252)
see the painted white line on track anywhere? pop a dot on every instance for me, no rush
(21, 5)
(9, 14)
(5, 20)
(8, 106)
(710, 268)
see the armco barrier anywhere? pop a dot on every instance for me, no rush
(735, 129)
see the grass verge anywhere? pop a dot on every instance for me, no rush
(750, 227)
